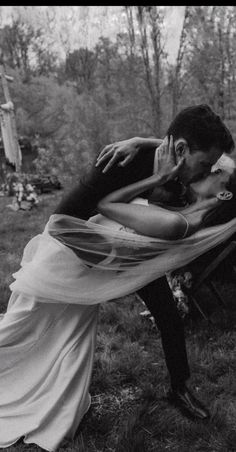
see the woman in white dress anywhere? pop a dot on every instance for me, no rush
(48, 333)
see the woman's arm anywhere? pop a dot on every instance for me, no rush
(153, 221)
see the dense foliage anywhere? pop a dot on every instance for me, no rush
(74, 105)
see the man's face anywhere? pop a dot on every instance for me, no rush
(198, 164)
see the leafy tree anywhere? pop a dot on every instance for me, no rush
(118, 89)
(177, 81)
(149, 24)
(80, 67)
(211, 55)
(15, 43)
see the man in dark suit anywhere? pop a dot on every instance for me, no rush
(200, 137)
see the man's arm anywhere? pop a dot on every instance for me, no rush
(81, 201)
(123, 152)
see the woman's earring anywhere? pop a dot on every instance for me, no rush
(180, 150)
(224, 195)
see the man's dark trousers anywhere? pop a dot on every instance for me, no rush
(159, 300)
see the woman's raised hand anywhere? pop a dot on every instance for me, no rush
(167, 167)
(122, 152)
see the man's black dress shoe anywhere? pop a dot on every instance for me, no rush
(187, 403)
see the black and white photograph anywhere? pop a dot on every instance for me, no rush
(118, 228)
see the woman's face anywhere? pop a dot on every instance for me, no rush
(212, 184)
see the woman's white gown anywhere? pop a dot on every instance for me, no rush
(46, 359)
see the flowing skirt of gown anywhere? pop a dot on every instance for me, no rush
(46, 359)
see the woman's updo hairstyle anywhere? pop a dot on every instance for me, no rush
(225, 210)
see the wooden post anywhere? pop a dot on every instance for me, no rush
(7, 96)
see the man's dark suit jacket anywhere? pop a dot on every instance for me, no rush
(82, 200)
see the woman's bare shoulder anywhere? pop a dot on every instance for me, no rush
(172, 225)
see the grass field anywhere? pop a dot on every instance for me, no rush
(129, 412)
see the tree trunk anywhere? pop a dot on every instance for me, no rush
(221, 90)
(176, 89)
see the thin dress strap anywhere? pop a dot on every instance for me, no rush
(187, 224)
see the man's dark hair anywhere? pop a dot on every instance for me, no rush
(202, 129)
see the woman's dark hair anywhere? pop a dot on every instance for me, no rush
(202, 129)
(225, 210)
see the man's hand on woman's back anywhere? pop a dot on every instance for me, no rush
(120, 152)
(123, 152)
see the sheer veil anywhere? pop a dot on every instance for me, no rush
(89, 262)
